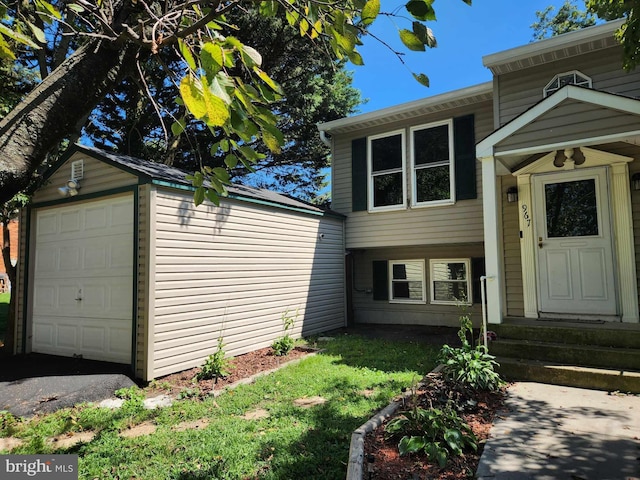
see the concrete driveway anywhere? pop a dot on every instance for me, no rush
(36, 383)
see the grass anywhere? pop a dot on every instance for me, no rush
(356, 376)
(4, 313)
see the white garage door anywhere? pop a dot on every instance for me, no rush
(83, 280)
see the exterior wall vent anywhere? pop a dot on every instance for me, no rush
(77, 170)
(567, 78)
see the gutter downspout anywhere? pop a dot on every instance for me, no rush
(324, 139)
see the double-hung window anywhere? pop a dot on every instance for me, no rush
(432, 164)
(386, 171)
(450, 281)
(407, 281)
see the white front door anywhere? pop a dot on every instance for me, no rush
(83, 280)
(573, 233)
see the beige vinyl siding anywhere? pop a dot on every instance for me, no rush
(98, 177)
(233, 271)
(634, 167)
(570, 121)
(520, 90)
(512, 260)
(367, 310)
(142, 280)
(458, 223)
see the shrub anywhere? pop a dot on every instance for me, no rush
(471, 366)
(438, 432)
(215, 366)
(283, 345)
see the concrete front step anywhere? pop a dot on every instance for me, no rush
(570, 354)
(573, 376)
(604, 335)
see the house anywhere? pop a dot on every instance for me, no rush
(13, 253)
(121, 266)
(527, 180)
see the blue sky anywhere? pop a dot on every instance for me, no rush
(465, 34)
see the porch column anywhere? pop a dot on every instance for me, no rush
(623, 228)
(492, 241)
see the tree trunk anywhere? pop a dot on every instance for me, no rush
(52, 110)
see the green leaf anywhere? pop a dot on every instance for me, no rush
(46, 7)
(267, 79)
(178, 127)
(250, 154)
(411, 41)
(5, 50)
(425, 35)
(18, 37)
(253, 55)
(186, 54)
(74, 7)
(421, 78)
(355, 58)
(370, 11)
(410, 445)
(217, 112)
(212, 58)
(268, 8)
(221, 174)
(231, 161)
(191, 93)
(213, 196)
(198, 196)
(421, 9)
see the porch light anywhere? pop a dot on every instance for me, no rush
(512, 193)
(635, 180)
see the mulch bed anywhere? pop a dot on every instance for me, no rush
(240, 367)
(382, 460)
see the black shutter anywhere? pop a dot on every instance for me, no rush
(477, 271)
(359, 174)
(380, 280)
(464, 142)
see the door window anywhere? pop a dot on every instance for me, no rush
(571, 209)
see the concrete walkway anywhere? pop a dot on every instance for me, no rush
(554, 432)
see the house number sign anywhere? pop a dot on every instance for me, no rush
(526, 216)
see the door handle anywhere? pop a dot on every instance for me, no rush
(540, 242)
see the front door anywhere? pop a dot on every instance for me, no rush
(575, 254)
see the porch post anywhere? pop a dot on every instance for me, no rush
(492, 254)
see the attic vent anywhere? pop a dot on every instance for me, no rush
(567, 78)
(77, 170)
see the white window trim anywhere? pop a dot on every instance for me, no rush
(390, 265)
(370, 196)
(467, 262)
(452, 177)
(545, 93)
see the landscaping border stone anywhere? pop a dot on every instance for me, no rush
(355, 467)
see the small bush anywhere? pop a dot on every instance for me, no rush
(215, 366)
(283, 345)
(471, 366)
(438, 432)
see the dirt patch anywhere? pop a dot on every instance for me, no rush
(192, 425)
(240, 368)
(10, 443)
(381, 453)
(145, 428)
(67, 440)
(258, 414)
(309, 402)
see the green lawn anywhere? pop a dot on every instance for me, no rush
(4, 312)
(356, 376)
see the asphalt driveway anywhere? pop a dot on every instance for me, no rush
(36, 383)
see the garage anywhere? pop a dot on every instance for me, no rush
(83, 278)
(118, 264)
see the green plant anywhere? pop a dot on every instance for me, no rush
(438, 432)
(130, 393)
(471, 366)
(8, 423)
(189, 393)
(283, 345)
(215, 366)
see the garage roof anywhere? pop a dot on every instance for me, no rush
(161, 174)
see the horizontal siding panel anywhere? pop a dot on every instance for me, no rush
(235, 270)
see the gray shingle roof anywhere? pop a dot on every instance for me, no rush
(153, 171)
